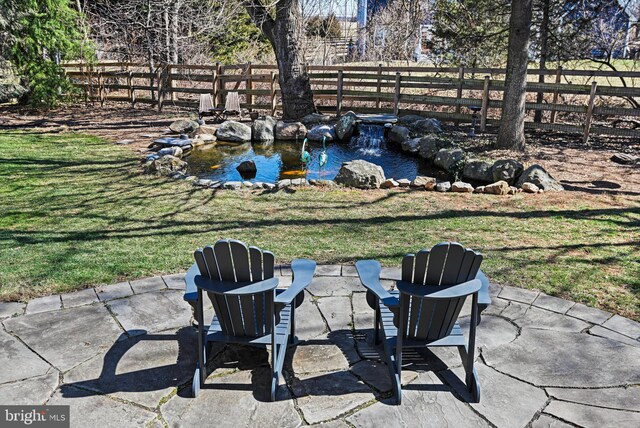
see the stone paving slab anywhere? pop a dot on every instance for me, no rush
(67, 337)
(326, 396)
(426, 400)
(547, 421)
(151, 312)
(554, 358)
(328, 270)
(175, 281)
(334, 377)
(114, 291)
(597, 330)
(496, 399)
(79, 298)
(9, 309)
(613, 398)
(236, 400)
(142, 369)
(44, 304)
(588, 314)
(518, 294)
(17, 361)
(554, 304)
(589, 416)
(618, 324)
(99, 410)
(145, 285)
(35, 390)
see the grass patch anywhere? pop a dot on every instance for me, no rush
(76, 211)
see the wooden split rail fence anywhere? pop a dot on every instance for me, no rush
(588, 107)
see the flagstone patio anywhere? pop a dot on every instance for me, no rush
(123, 355)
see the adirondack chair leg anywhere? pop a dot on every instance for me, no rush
(473, 385)
(292, 333)
(199, 375)
(376, 326)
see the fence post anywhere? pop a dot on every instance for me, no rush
(221, 84)
(100, 88)
(556, 95)
(459, 92)
(339, 92)
(174, 96)
(85, 78)
(379, 86)
(214, 87)
(396, 98)
(132, 92)
(272, 84)
(249, 85)
(589, 118)
(485, 103)
(160, 76)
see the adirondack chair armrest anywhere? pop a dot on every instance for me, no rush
(439, 292)
(303, 271)
(484, 299)
(234, 288)
(369, 273)
(191, 291)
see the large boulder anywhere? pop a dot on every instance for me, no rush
(478, 170)
(172, 151)
(398, 134)
(409, 119)
(290, 131)
(430, 145)
(315, 118)
(540, 177)
(234, 132)
(447, 158)
(318, 132)
(411, 146)
(165, 165)
(507, 170)
(11, 91)
(345, 126)
(360, 174)
(262, 129)
(427, 126)
(183, 126)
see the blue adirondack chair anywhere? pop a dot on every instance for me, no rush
(424, 308)
(239, 280)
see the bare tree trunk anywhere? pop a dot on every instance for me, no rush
(175, 29)
(283, 34)
(544, 52)
(511, 134)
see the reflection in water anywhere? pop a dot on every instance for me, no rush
(281, 160)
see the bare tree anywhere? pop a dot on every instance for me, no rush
(511, 133)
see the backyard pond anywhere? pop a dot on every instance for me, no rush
(281, 160)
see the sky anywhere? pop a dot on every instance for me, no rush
(325, 7)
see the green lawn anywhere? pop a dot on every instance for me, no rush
(76, 211)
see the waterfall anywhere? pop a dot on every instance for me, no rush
(370, 140)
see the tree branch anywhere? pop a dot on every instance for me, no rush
(260, 16)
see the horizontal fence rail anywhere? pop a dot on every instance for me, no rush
(584, 102)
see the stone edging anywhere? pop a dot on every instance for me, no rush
(603, 323)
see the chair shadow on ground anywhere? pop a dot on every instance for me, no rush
(418, 360)
(118, 374)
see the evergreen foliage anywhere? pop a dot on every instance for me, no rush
(37, 35)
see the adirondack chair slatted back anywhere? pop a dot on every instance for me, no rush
(445, 264)
(232, 103)
(206, 103)
(247, 315)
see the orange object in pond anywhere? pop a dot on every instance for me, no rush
(293, 172)
(215, 166)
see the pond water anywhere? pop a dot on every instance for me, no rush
(281, 160)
